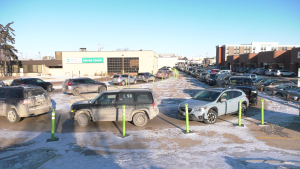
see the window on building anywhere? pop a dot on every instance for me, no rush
(262, 48)
(265, 48)
(34, 68)
(238, 47)
(245, 51)
(280, 67)
(253, 48)
(227, 48)
(234, 47)
(15, 69)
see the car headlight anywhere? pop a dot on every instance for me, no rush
(253, 91)
(200, 109)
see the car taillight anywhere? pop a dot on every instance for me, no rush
(247, 96)
(69, 83)
(153, 105)
(25, 101)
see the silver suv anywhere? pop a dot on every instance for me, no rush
(281, 73)
(140, 105)
(208, 104)
(80, 85)
(123, 79)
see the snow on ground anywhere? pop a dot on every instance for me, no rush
(210, 146)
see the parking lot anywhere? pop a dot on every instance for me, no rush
(161, 143)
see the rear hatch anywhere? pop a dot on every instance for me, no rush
(160, 73)
(17, 82)
(37, 98)
(116, 79)
(65, 84)
(140, 76)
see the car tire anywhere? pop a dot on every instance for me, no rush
(293, 75)
(49, 88)
(123, 83)
(244, 109)
(278, 94)
(140, 119)
(76, 92)
(12, 116)
(82, 120)
(254, 104)
(212, 117)
(101, 89)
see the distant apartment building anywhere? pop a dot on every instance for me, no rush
(222, 51)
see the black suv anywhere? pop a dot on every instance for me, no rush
(246, 85)
(23, 101)
(144, 77)
(140, 106)
(33, 82)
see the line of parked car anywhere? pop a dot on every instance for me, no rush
(262, 71)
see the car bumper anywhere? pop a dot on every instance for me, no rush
(38, 111)
(191, 116)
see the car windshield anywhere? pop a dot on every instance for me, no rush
(270, 81)
(240, 82)
(259, 79)
(227, 78)
(116, 76)
(206, 95)
(281, 86)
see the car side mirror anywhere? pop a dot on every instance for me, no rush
(223, 100)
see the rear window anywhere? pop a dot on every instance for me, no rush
(15, 93)
(124, 75)
(160, 71)
(17, 82)
(35, 92)
(116, 76)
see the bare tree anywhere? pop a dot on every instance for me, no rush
(119, 49)
(126, 49)
(8, 51)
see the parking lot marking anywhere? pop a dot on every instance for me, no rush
(278, 137)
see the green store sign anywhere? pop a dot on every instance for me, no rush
(92, 60)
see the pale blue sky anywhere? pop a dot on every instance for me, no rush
(188, 27)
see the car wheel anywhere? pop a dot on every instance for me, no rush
(140, 119)
(212, 117)
(293, 75)
(244, 109)
(12, 116)
(82, 120)
(278, 94)
(76, 92)
(254, 104)
(101, 89)
(49, 88)
(123, 83)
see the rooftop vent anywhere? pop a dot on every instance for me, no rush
(82, 49)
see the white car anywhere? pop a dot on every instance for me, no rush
(281, 73)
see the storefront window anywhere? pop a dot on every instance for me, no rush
(280, 67)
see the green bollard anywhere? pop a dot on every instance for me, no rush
(262, 112)
(53, 125)
(187, 117)
(240, 112)
(124, 134)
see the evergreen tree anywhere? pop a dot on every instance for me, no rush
(8, 51)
